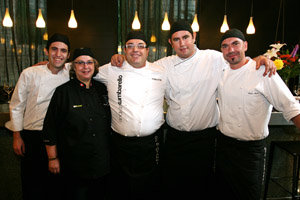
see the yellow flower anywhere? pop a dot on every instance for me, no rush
(278, 63)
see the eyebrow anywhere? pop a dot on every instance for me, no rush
(184, 36)
(58, 48)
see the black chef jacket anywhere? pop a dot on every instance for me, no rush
(78, 122)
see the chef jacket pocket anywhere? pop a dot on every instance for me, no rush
(253, 102)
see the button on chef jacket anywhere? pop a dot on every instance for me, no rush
(135, 96)
(192, 89)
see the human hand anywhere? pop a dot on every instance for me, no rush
(117, 60)
(269, 65)
(18, 144)
(54, 166)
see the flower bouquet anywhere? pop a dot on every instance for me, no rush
(287, 64)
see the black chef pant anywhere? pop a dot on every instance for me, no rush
(135, 162)
(239, 168)
(188, 164)
(37, 181)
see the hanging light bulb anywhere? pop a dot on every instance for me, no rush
(153, 38)
(72, 21)
(224, 26)
(7, 22)
(195, 25)
(119, 50)
(2, 40)
(251, 28)
(136, 22)
(40, 22)
(165, 25)
(45, 36)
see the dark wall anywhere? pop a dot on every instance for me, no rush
(97, 25)
(265, 17)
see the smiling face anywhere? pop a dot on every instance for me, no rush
(183, 43)
(57, 54)
(84, 68)
(136, 53)
(233, 50)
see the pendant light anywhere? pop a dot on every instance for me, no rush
(45, 36)
(40, 22)
(72, 21)
(153, 38)
(251, 28)
(195, 25)
(2, 40)
(136, 25)
(119, 50)
(165, 25)
(224, 26)
(7, 22)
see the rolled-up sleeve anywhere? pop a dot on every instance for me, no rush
(280, 97)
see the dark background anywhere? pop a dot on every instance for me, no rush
(97, 23)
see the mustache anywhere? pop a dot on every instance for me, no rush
(233, 54)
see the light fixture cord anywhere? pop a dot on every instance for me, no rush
(283, 20)
(280, 7)
(225, 7)
(251, 9)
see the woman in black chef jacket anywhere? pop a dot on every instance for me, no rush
(76, 130)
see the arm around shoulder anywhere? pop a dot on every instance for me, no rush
(269, 65)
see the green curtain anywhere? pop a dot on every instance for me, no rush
(23, 44)
(151, 15)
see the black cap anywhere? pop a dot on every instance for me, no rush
(136, 35)
(233, 33)
(180, 25)
(83, 51)
(57, 37)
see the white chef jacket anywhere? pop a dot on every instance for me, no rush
(192, 88)
(135, 97)
(32, 95)
(246, 98)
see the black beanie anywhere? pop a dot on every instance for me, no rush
(57, 37)
(136, 35)
(233, 33)
(84, 51)
(181, 25)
